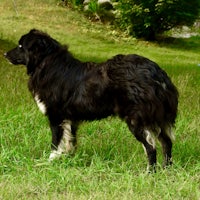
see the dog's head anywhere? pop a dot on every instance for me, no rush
(32, 48)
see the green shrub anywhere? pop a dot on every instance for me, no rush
(147, 18)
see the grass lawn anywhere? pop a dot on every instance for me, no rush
(109, 163)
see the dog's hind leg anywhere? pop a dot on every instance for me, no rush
(63, 139)
(165, 137)
(146, 138)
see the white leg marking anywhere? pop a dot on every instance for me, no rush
(170, 132)
(40, 104)
(54, 154)
(150, 138)
(66, 144)
(145, 151)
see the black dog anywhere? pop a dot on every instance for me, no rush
(69, 91)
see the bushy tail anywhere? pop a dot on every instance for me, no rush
(171, 103)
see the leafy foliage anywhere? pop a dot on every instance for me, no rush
(147, 18)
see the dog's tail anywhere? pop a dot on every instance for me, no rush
(170, 101)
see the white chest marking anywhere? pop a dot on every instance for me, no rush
(40, 104)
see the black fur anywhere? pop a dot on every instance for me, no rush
(130, 86)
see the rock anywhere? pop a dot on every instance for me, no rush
(105, 4)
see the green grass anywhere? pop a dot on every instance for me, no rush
(109, 163)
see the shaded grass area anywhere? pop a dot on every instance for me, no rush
(109, 163)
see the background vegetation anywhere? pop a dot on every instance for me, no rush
(146, 19)
(149, 18)
(109, 163)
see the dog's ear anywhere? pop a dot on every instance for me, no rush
(35, 40)
(38, 41)
(38, 44)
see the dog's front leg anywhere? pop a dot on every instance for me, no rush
(63, 139)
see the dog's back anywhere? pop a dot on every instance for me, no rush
(142, 90)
